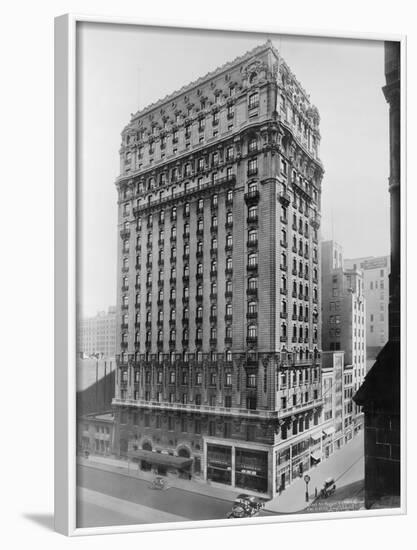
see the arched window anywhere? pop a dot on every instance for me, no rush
(252, 331)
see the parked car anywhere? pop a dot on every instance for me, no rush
(246, 506)
(329, 487)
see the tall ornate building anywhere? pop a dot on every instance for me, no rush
(219, 369)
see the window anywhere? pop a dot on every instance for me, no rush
(253, 100)
(253, 213)
(252, 260)
(252, 166)
(253, 283)
(253, 145)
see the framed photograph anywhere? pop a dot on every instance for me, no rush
(229, 290)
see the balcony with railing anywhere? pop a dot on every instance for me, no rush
(252, 315)
(252, 197)
(284, 198)
(125, 233)
(253, 219)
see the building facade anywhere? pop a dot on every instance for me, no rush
(338, 407)
(98, 334)
(344, 320)
(95, 433)
(344, 310)
(218, 313)
(375, 272)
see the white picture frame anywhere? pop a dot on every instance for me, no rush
(65, 281)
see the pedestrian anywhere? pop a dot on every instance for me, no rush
(315, 493)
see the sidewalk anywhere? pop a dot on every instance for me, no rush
(345, 466)
(123, 467)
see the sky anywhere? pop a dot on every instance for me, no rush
(121, 69)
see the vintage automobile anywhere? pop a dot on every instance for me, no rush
(246, 506)
(329, 487)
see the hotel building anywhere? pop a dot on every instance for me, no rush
(219, 307)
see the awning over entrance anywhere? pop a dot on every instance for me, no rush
(316, 436)
(161, 459)
(316, 456)
(329, 431)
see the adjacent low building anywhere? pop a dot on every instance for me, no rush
(95, 433)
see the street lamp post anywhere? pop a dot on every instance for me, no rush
(307, 481)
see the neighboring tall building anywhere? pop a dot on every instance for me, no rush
(98, 334)
(339, 419)
(375, 271)
(218, 313)
(343, 310)
(380, 394)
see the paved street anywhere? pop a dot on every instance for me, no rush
(110, 497)
(151, 506)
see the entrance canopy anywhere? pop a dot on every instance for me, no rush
(316, 436)
(329, 431)
(161, 459)
(316, 456)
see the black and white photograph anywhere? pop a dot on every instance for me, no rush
(238, 300)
